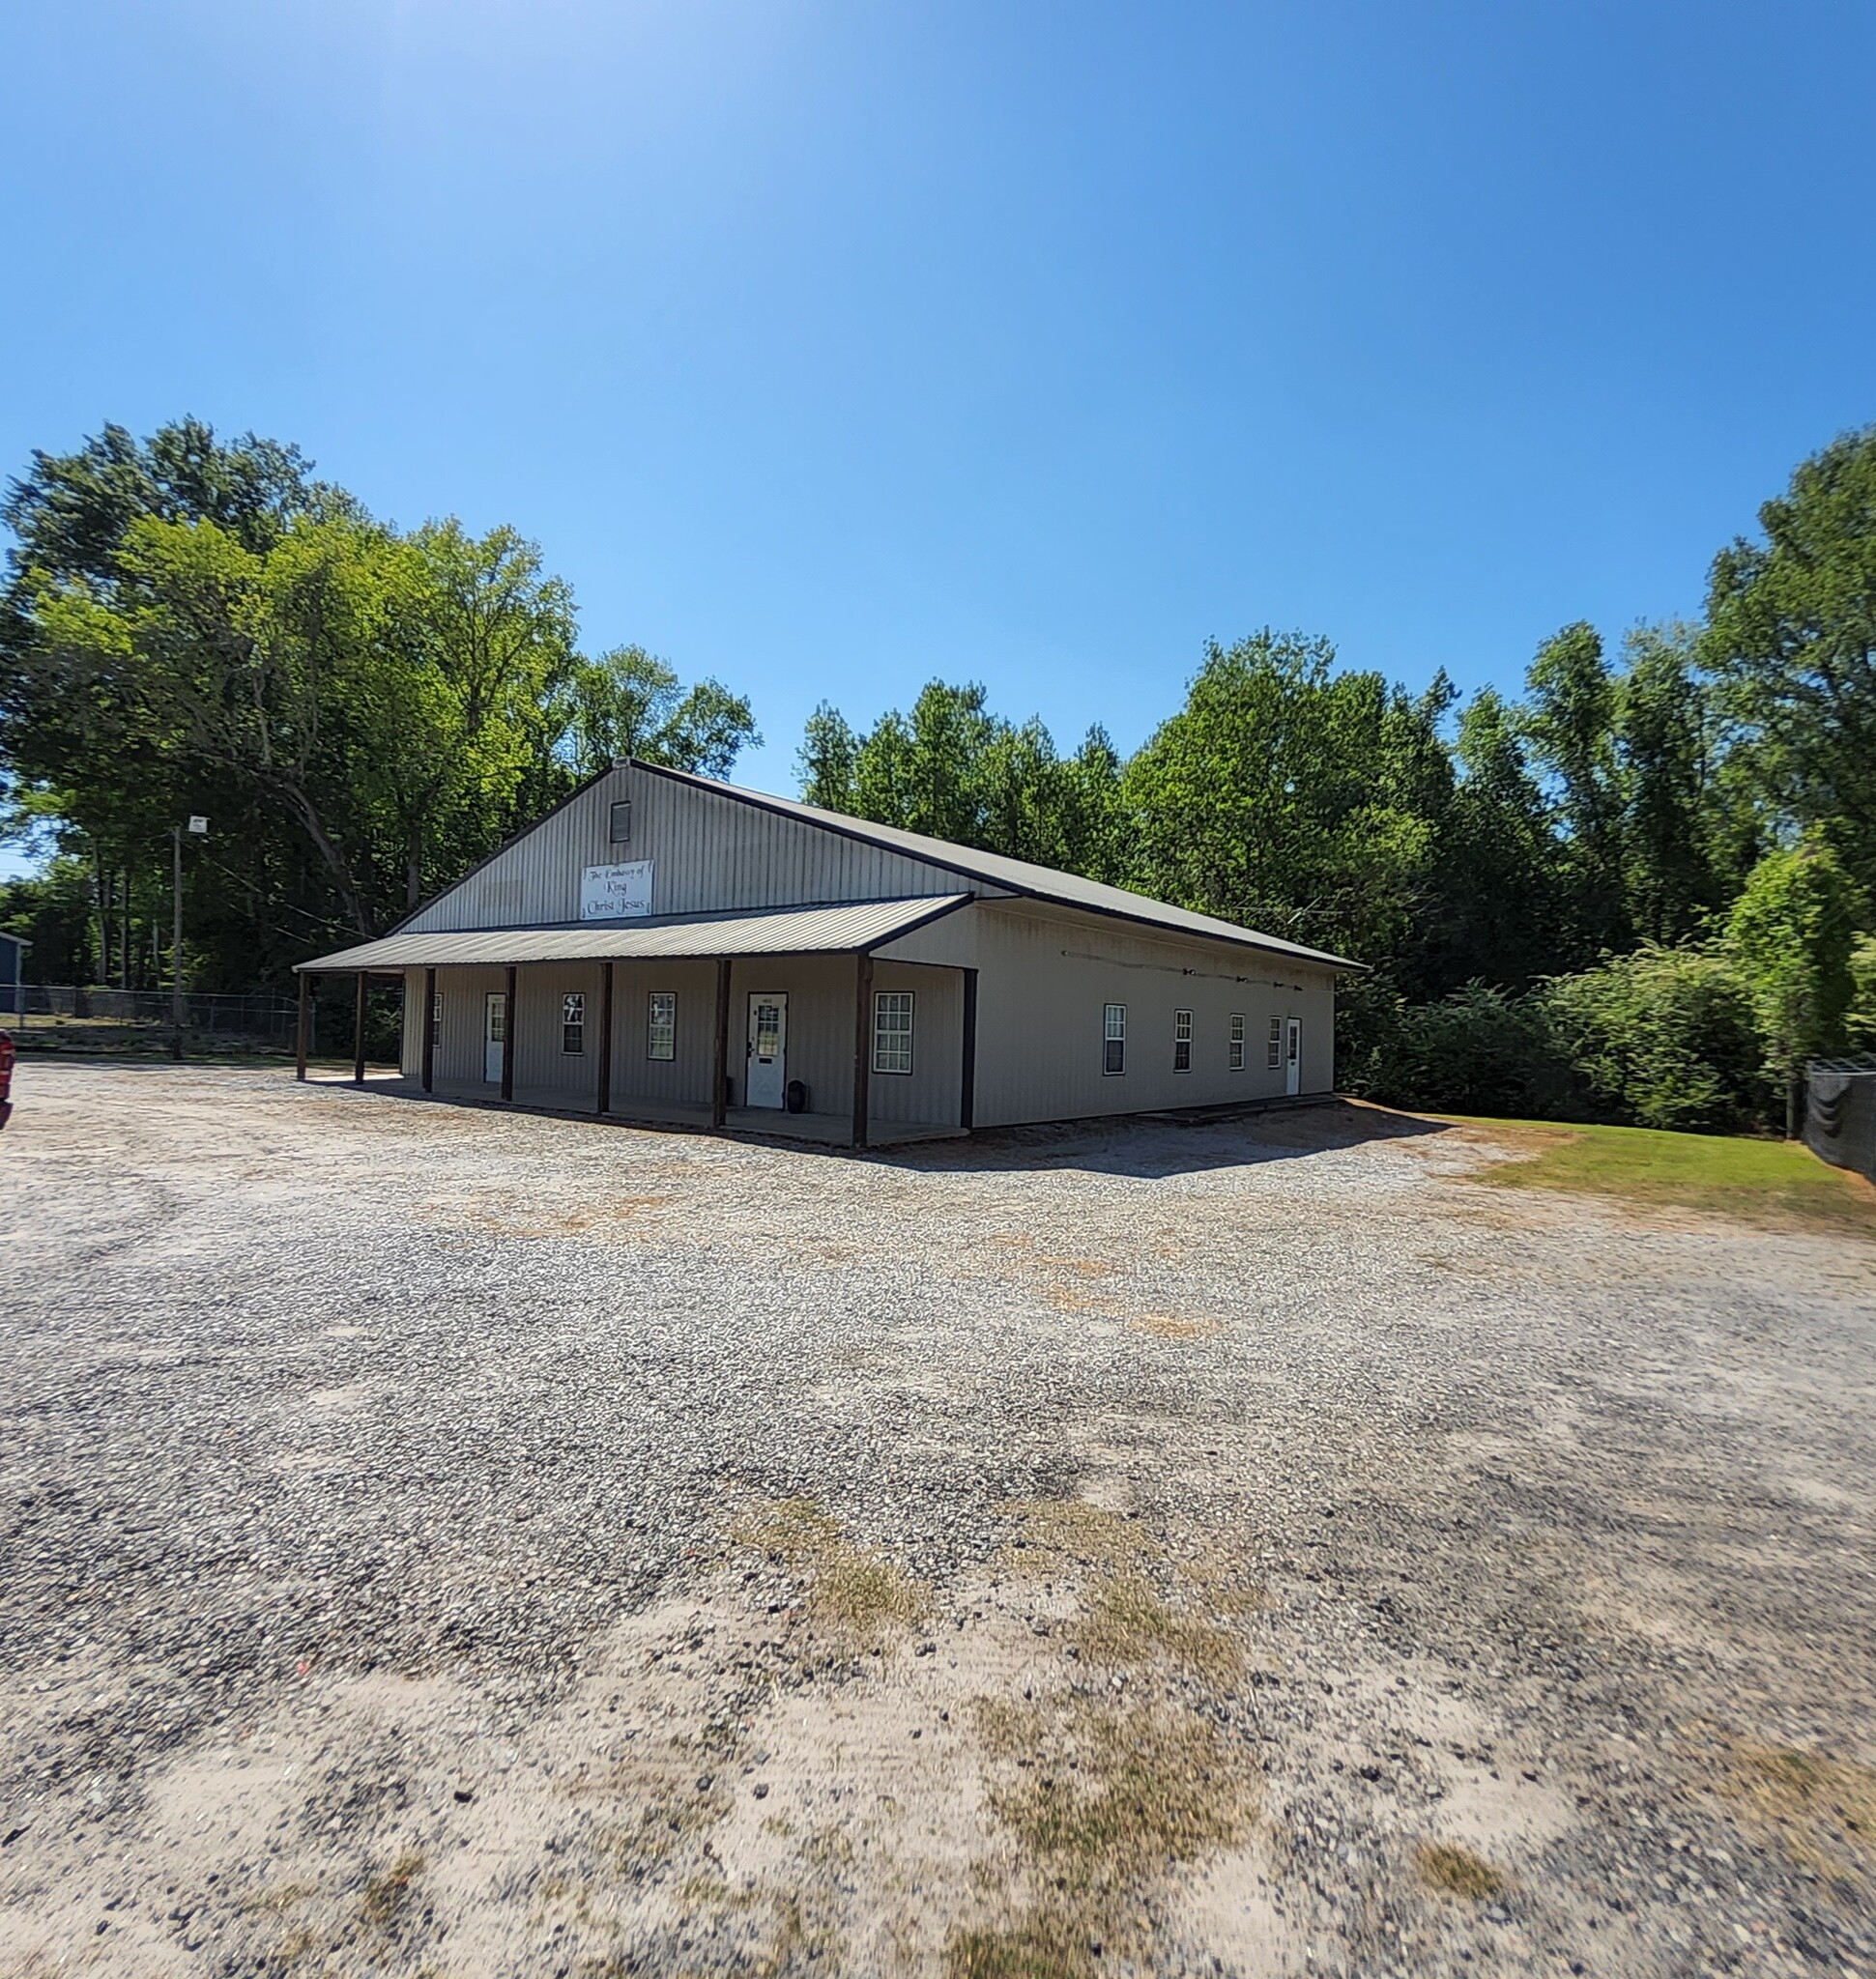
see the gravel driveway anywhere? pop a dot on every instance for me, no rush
(434, 1540)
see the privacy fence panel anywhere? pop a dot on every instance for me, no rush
(1840, 1113)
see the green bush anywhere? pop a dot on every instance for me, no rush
(1479, 1050)
(1664, 1037)
(1859, 1020)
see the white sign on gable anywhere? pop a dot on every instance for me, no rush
(616, 893)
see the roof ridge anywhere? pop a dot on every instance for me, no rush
(1023, 876)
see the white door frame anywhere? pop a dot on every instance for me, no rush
(765, 1080)
(1293, 1055)
(494, 1004)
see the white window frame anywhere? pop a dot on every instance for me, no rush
(1237, 1041)
(573, 1023)
(436, 1013)
(1114, 1041)
(1276, 1045)
(883, 1060)
(663, 1032)
(1182, 1041)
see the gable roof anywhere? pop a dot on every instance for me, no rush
(1016, 876)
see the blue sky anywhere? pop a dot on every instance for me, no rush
(826, 347)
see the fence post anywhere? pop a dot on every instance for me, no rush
(176, 1012)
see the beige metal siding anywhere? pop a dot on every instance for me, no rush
(820, 991)
(710, 854)
(459, 1035)
(683, 1080)
(932, 1091)
(1045, 977)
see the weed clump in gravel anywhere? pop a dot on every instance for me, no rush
(857, 1592)
(1126, 1622)
(386, 1892)
(1457, 1872)
(1099, 1799)
(1821, 1809)
(639, 1851)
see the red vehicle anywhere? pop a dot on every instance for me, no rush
(5, 1076)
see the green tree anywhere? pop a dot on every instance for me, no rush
(827, 764)
(1570, 721)
(1792, 637)
(1667, 745)
(953, 770)
(1792, 933)
(1274, 798)
(631, 702)
(1500, 883)
(361, 712)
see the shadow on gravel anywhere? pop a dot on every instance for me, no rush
(1154, 1145)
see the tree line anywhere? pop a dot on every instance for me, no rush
(362, 711)
(1641, 889)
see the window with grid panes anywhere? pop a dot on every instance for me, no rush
(661, 1024)
(892, 1030)
(1114, 1039)
(1237, 1041)
(1182, 1041)
(573, 1022)
(1275, 1042)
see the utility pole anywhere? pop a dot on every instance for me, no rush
(178, 1014)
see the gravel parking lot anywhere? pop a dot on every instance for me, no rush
(435, 1540)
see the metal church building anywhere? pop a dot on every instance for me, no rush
(665, 948)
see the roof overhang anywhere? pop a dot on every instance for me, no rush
(847, 927)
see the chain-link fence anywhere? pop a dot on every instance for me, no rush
(78, 1014)
(1840, 1111)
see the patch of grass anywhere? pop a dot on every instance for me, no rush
(1457, 1872)
(640, 1850)
(856, 1593)
(1099, 1799)
(1126, 1622)
(386, 1892)
(1072, 1531)
(277, 1900)
(1821, 1809)
(1770, 1183)
(1110, 1792)
(1046, 1943)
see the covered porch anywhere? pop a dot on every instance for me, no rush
(784, 1022)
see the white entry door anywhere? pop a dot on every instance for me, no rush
(766, 1083)
(1293, 1056)
(495, 1036)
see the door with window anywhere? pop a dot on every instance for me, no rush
(1293, 1055)
(494, 1035)
(766, 1082)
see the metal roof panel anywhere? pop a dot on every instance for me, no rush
(842, 927)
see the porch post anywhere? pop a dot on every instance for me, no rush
(605, 1105)
(429, 1030)
(720, 1056)
(507, 1035)
(358, 1027)
(968, 1097)
(862, 1043)
(300, 1031)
